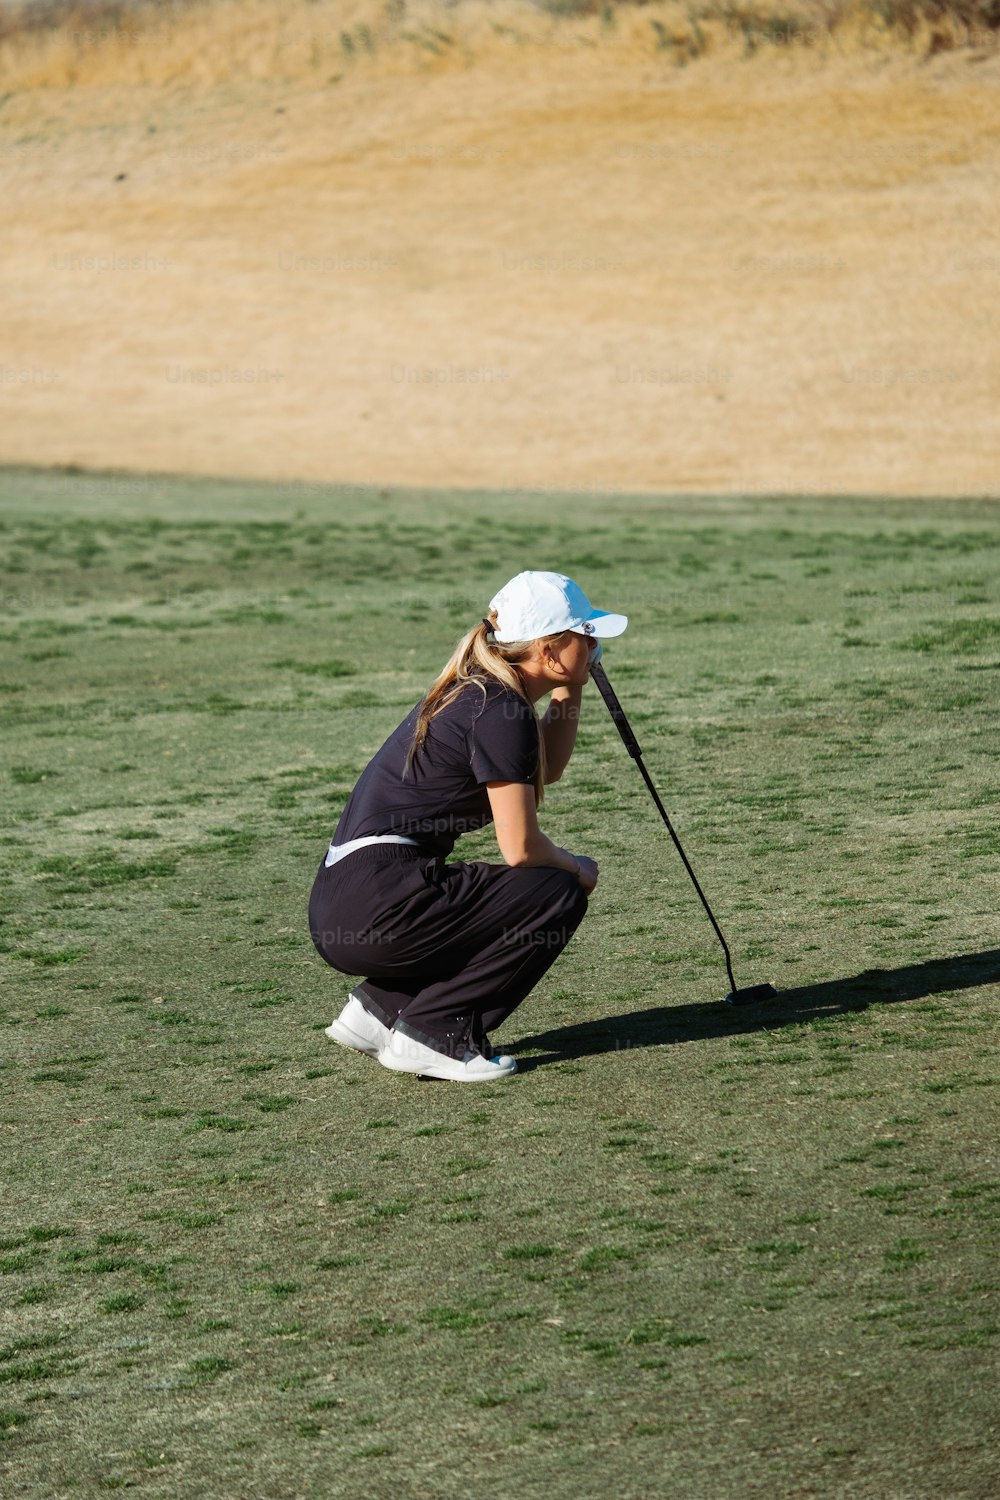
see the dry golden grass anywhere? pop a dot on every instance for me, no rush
(218, 41)
(542, 253)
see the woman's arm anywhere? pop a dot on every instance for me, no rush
(559, 725)
(515, 820)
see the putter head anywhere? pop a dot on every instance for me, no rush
(751, 994)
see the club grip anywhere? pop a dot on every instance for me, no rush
(615, 709)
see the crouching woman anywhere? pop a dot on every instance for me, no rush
(450, 948)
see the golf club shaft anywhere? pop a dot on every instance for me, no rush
(624, 728)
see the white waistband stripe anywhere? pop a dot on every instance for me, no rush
(337, 851)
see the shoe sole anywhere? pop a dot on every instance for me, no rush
(338, 1032)
(446, 1069)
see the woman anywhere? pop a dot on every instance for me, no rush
(449, 950)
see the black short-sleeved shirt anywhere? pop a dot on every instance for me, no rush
(473, 741)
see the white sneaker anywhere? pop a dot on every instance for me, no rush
(402, 1054)
(357, 1028)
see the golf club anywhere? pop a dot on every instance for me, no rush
(751, 993)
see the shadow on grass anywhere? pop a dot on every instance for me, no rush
(662, 1026)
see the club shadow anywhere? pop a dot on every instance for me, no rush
(666, 1025)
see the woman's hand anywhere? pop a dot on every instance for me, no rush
(588, 872)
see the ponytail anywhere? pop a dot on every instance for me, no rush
(477, 658)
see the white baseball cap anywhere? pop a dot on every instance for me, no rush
(536, 604)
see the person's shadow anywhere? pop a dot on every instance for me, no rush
(665, 1025)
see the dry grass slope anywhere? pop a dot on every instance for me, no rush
(491, 245)
(66, 42)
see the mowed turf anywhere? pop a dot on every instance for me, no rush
(688, 1251)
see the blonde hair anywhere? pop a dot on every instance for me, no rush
(476, 659)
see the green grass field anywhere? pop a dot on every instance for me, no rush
(689, 1251)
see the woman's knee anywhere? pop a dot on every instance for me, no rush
(570, 895)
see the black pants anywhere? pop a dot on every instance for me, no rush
(447, 950)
